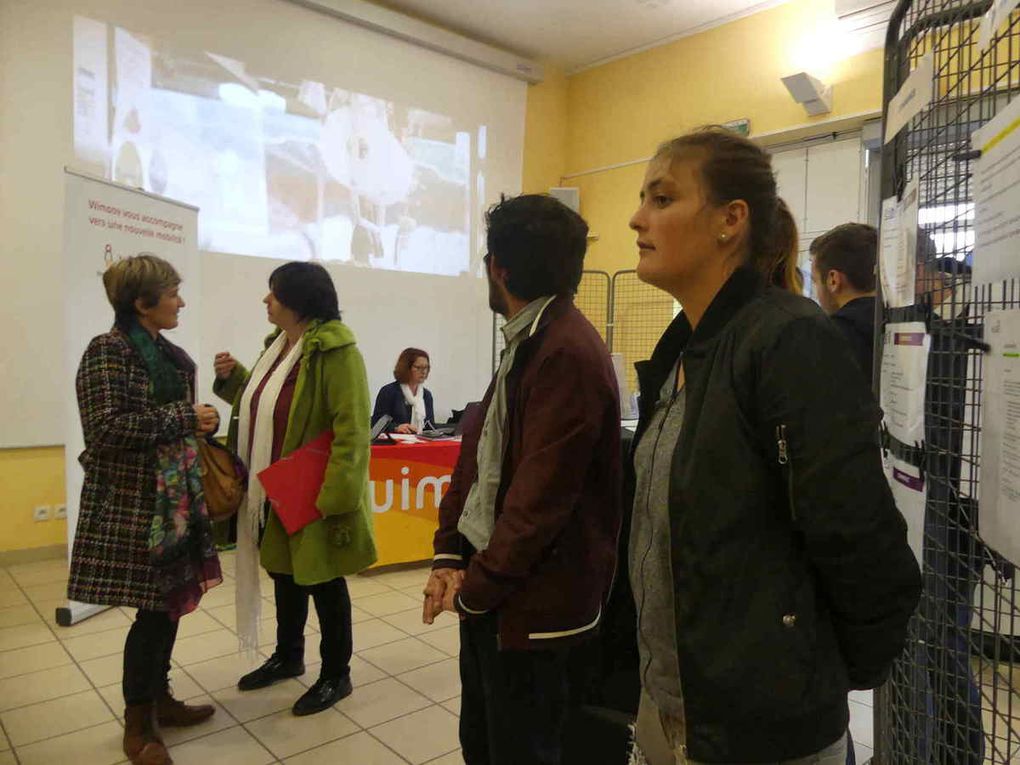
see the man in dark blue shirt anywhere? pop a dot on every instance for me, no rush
(843, 273)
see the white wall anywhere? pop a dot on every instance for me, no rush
(824, 184)
(385, 314)
(447, 316)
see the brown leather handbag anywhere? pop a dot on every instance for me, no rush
(224, 479)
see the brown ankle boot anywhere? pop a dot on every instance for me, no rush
(171, 713)
(142, 743)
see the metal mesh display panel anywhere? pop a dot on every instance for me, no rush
(952, 698)
(640, 314)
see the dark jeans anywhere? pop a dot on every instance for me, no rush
(150, 641)
(333, 606)
(513, 703)
(952, 570)
(941, 724)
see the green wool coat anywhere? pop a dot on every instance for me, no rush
(331, 394)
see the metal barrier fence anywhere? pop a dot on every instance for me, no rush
(629, 314)
(592, 300)
(953, 697)
(640, 315)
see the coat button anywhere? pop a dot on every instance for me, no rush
(790, 621)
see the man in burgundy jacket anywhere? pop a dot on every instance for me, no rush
(525, 552)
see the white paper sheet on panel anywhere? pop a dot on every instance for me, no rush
(904, 373)
(912, 97)
(997, 197)
(897, 248)
(909, 491)
(992, 20)
(1000, 438)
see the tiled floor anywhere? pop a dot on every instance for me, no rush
(60, 695)
(60, 687)
(862, 722)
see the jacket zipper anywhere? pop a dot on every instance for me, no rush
(785, 463)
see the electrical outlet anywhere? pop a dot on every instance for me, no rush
(60, 512)
(41, 513)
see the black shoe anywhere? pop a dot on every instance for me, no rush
(274, 670)
(325, 693)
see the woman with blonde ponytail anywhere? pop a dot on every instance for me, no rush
(769, 564)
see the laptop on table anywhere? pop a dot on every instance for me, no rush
(455, 429)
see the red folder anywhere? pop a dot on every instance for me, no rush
(292, 483)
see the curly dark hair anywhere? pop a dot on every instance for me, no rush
(540, 242)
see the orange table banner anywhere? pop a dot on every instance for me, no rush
(408, 481)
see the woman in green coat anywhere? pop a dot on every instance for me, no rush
(309, 380)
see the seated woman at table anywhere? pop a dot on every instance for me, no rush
(405, 399)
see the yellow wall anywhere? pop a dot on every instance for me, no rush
(545, 133)
(620, 111)
(30, 477)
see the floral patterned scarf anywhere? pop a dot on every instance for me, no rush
(181, 547)
(181, 541)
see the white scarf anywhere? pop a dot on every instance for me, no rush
(417, 404)
(255, 446)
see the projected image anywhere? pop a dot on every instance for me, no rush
(295, 170)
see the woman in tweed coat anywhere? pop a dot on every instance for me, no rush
(143, 538)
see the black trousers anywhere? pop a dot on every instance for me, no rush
(333, 606)
(150, 641)
(513, 703)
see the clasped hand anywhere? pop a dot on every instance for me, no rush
(207, 419)
(440, 591)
